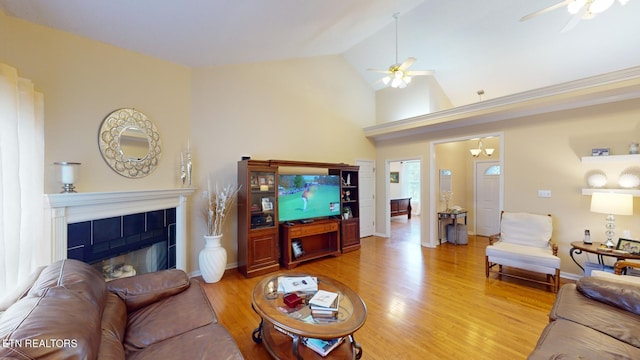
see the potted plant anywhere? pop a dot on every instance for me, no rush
(213, 258)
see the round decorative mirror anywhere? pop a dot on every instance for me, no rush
(129, 143)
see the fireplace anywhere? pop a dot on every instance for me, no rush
(125, 245)
(120, 233)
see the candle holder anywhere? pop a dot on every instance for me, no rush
(67, 175)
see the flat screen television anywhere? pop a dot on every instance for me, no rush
(303, 197)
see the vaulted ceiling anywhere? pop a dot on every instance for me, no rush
(470, 44)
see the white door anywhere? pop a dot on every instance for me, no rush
(366, 197)
(488, 197)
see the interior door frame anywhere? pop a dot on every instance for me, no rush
(387, 192)
(433, 173)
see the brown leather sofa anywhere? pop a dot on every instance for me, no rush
(595, 318)
(69, 312)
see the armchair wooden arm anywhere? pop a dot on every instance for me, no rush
(494, 237)
(554, 247)
(620, 265)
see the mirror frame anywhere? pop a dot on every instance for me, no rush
(109, 141)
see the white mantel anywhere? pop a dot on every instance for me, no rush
(68, 208)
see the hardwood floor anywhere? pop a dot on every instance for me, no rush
(422, 303)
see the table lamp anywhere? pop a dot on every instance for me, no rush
(611, 204)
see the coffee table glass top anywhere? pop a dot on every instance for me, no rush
(269, 304)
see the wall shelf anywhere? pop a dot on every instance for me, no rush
(611, 158)
(590, 191)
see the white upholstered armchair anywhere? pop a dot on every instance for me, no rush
(525, 243)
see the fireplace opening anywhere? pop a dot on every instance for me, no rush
(126, 245)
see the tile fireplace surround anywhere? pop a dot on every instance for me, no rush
(64, 209)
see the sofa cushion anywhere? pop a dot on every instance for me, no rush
(180, 313)
(60, 315)
(526, 229)
(59, 324)
(142, 290)
(209, 342)
(621, 294)
(571, 305)
(114, 323)
(564, 339)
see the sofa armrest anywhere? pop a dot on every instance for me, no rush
(142, 290)
(620, 265)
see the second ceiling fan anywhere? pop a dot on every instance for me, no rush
(398, 75)
(579, 9)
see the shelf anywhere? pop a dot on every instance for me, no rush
(611, 158)
(590, 191)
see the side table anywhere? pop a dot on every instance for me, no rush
(597, 248)
(454, 216)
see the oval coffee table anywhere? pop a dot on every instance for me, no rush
(282, 332)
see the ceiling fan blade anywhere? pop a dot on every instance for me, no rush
(380, 71)
(575, 18)
(419, 72)
(405, 65)
(546, 10)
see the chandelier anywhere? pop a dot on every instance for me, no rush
(481, 150)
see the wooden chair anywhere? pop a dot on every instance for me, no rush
(525, 243)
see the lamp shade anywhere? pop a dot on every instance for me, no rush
(612, 203)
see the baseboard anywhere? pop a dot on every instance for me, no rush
(198, 273)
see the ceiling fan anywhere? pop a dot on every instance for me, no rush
(397, 75)
(579, 9)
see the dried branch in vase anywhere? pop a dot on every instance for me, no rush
(218, 206)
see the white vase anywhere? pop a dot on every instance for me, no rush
(212, 259)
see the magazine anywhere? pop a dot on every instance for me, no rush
(289, 284)
(322, 347)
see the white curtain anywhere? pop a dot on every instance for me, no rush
(21, 178)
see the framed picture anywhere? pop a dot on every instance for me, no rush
(600, 152)
(394, 176)
(628, 245)
(267, 205)
(262, 180)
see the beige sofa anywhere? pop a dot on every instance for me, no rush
(69, 312)
(598, 317)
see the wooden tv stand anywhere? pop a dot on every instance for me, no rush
(319, 238)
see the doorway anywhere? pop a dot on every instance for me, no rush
(404, 183)
(456, 154)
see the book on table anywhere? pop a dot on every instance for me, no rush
(324, 305)
(289, 284)
(324, 299)
(322, 347)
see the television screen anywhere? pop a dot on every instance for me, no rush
(308, 196)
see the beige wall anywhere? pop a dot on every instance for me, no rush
(542, 152)
(310, 109)
(83, 81)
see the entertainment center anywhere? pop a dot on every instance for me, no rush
(295, 211)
